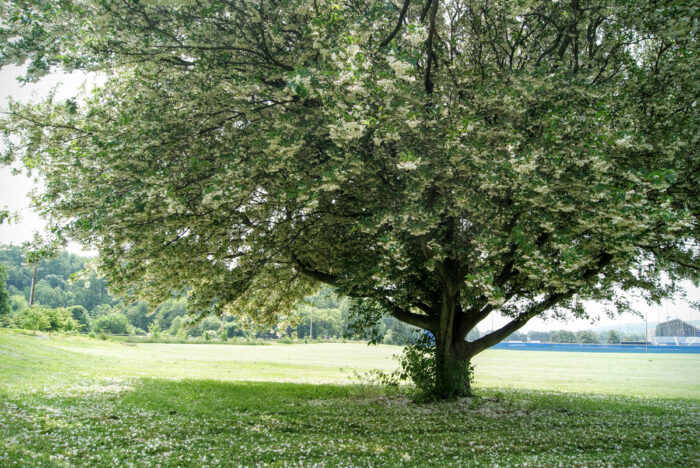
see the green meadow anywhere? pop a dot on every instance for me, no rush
(74, 401)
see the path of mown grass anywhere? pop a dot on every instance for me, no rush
(73, 401)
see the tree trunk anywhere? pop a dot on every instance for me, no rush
(452, 366)
(31, 293)
(452, 371)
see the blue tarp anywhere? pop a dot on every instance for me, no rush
(597, 348)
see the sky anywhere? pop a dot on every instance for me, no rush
(14, 190)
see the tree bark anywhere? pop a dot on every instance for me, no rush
(452, 366)
(31, 293)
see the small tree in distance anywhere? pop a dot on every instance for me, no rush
(38, 249)
(437, 160)
(613, 337)
(5, 308)
(587, 336)
(563, 336)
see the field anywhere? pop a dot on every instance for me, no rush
(68, 401)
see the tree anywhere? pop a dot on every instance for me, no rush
(81, 316)
(438, 161)
(101, 310)
(563, 336)
(613, 337)
(116, 324)
(38, 249)
(517, 336)
(541, 336)
(18, 302)
(587, 336)
(5, 308)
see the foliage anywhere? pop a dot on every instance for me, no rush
(41, 248)
(101, 310)
(563, 336)
(587, 336)
(61, 319)
(176, 326)
(541, 336)
(31, 318)
(420, 366)
(18, 302)
(43, 318)
(154, 330)
(169, 310)
(139, 314)
(55, 286)
(116, 324)
(612, 337)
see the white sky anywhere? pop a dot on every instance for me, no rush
(14, 191)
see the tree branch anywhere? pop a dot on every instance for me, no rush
(499, 335)
(429, 47)
(399, 23)
(312, 273)
(420, 321)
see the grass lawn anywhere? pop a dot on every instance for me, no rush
(68, 401)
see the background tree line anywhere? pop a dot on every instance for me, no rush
(68, 298)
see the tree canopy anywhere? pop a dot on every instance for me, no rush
(438, 160)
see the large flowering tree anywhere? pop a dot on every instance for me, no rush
(438, 159)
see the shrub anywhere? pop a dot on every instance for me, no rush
(181, 334)
(419, 365)
(80, 314)
(211, 323)
(43, 318)
(388, 337)
(116, 324)
(154, 330)
(175, 327)
(61, 319)
(18, 302)
(101, 310)
(31, 318)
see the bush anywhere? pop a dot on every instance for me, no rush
(181, 334)
(175, 327)
(419, 365)
(61, 319)
(80, 314)
(43, 318)
(116, 324)
(101, 310)
(388, 337)
(18, 302)
(31, 318)
(211, 323)
(154, 330)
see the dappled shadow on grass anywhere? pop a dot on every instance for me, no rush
(205, 422)
(209, 397)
